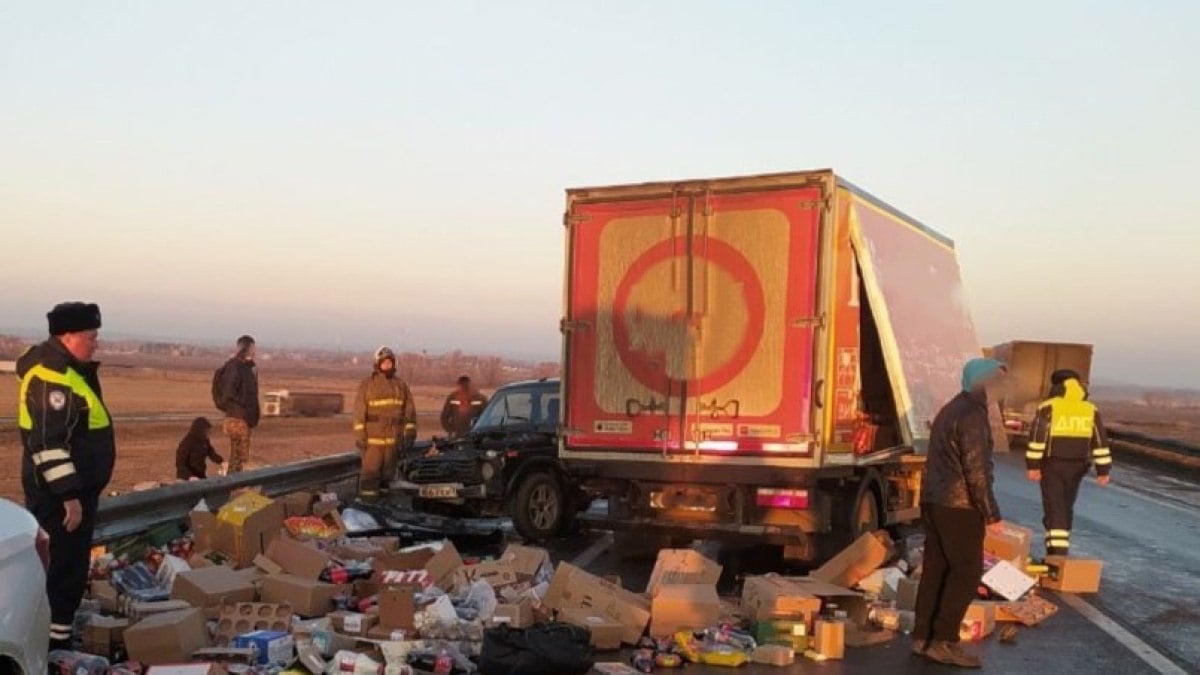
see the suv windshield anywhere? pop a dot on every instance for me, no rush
(535, 405)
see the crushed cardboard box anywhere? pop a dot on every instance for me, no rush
(497, 573)
(858, 560)
(1030, 611)
(531, 564)
(574, 588)
(681, 567)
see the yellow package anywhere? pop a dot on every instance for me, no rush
(239, 510)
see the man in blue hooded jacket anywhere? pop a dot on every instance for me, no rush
(957, 506)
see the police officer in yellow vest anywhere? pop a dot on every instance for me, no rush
(69, 452)
(384, 418)
(1067, 436)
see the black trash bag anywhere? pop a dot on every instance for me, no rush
(544, 649)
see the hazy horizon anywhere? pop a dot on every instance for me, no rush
(384, 172)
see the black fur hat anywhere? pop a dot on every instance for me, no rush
(73, 317)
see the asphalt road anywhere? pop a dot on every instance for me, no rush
(1146, 619)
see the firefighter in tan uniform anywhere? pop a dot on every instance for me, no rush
(384, 419)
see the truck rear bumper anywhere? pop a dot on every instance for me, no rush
(752, 534)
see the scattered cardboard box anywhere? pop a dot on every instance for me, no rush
(267, 566)
(397, 608)
(528, 562)
(272, 647)
(829, 639)
(1012, 543)
(979, 622)
(104, 593)
(854, 563)
(574, 588)
(517, 614)
(440, 560)
(306, 597)
(497, 573)
(353, 623)
(774, 655)
(298, 559)
(682, 567)
(775, 597)
(680, 607)
(102, 633)
(607, 632)
(210, 588)
(1073, 575)
(137, 611)
(247, 525)
(298, 504)
(167, 638)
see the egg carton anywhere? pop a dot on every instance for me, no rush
(247, 617)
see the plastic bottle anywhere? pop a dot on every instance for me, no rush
(444, 665)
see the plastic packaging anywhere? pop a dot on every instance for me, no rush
(77, 663)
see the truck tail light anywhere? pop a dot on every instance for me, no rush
(774, 498)
(43, 548)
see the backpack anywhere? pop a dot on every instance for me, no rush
(544, 649)
(218, 386)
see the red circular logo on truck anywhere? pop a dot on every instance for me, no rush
(660, 344)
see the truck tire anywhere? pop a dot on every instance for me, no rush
(865, 516)
(539, 510)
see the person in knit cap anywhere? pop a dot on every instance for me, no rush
(957, 506)
(1067, 437)
(385, 419)
(69, 452)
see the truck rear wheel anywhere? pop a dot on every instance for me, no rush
(539, 509)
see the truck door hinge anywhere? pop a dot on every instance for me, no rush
(817, 321)
(570, 219)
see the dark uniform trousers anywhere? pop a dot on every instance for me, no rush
(70, 555)
(1060, 483)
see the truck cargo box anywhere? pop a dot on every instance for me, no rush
(766, 319)
(1030, 364)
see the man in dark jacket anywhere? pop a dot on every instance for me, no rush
(239, 402)
(69, 452)
(957, 504)
(463, 406)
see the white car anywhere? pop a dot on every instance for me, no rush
(24, 608)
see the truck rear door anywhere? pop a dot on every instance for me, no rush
(690, 320)
(914, 285)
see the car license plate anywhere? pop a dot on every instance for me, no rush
(439, 491)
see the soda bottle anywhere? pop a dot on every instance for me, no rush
(444, 665)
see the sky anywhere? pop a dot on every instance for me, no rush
(355, 173)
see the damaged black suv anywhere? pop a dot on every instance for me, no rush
(506, 465)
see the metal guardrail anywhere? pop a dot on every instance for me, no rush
(1164, 449)
(137, 512)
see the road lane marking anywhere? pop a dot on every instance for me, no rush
(1130, 641)
(594, 551)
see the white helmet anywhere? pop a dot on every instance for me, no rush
(384, 353)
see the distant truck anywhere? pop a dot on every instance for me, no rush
(286, 403)
(1030, 365)
(755, 358)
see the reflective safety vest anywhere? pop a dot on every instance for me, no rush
(1069, 427)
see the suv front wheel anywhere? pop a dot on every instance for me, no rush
(539, 509)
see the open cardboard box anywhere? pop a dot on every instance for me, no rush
(167, 638)
(211, 587)
(867, 554)
(607, 632)
(298, 558)
(574, 588)
(440, 560)
(307, 598)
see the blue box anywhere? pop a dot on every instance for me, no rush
(271, 647)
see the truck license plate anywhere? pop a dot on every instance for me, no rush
(439, 491)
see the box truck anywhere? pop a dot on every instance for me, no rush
(1030, 365)
(755, 358)
(285, 403)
